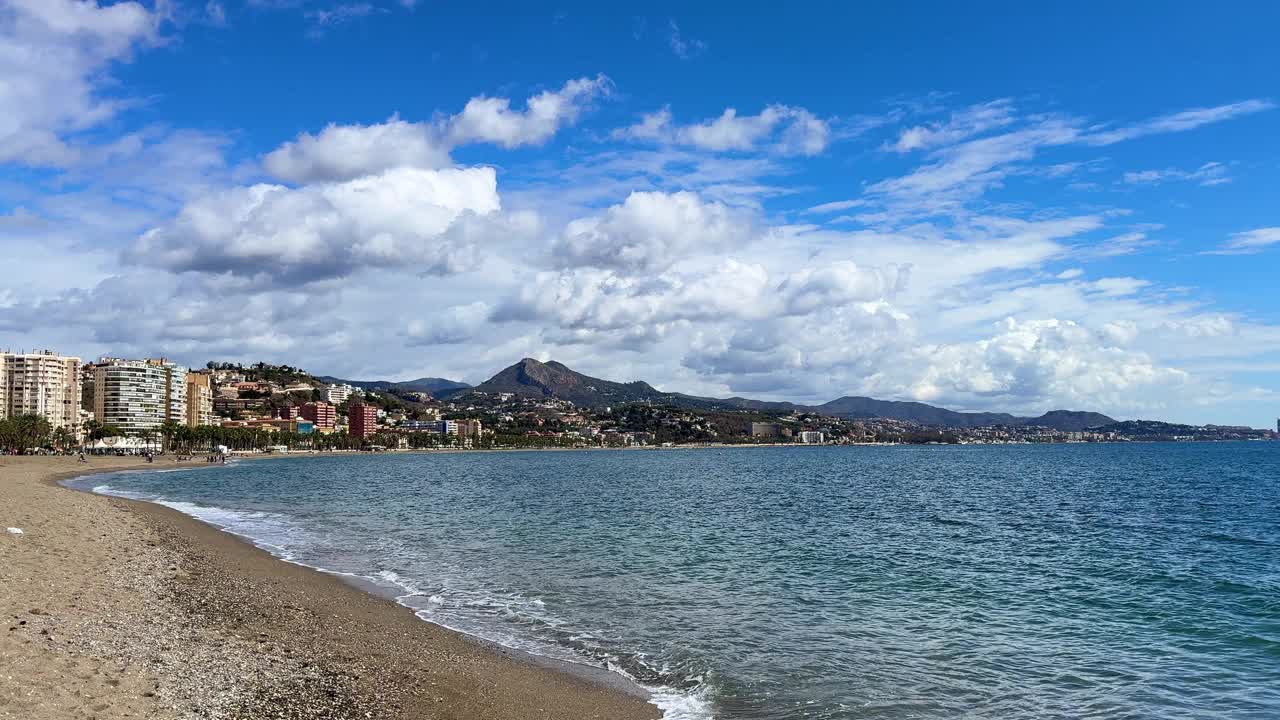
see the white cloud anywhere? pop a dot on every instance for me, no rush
(963, 124)
(1210, 173)
(1179, 121)
(344, 152)
(1029, 360)
(651, 231)
(1248, 242)
(411, 219)
(779, 128)
(814, 289)
(1126, 244)
(491, 119)
(453, 326)
(52, 57)
(684, 48)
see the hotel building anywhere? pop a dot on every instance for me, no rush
(41, 383)
(139, 395)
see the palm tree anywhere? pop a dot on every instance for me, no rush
(169, 429)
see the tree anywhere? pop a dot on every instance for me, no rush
(168, 430)
(22, 433)
(63, 438)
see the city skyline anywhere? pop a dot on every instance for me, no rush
(900, 203)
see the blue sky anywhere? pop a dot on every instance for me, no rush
(1003, 207)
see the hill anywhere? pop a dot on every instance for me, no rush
(531, 378)
(435, 386)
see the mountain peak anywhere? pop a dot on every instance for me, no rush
(550, 379)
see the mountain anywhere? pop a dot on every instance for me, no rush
(864, 407)
(531, 378)
(435, 386)
(1071, 420)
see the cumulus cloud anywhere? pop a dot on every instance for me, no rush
(814, 289)
(780, 128)
(403, 218)
(651, 231)
(343, 152)
(453, 326)
(52, 56)
(1026, 361)
(491, 119)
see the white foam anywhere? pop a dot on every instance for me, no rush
(276, 534)
(677, 705)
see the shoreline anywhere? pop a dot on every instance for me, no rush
(183, 617)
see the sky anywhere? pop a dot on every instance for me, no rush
(994, 206)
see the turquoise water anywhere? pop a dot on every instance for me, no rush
(1099, 581)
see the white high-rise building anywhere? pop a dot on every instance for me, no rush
(139, 395)
(41, 383)
(338, 394)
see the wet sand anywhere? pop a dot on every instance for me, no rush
(112, 608)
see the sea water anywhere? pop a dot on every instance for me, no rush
(1071, 581)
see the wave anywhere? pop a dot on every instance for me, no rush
(463, 612)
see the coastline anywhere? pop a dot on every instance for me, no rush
(124, 608)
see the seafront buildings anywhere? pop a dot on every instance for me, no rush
(137, 396)
(199, 399)
(41, 383)
(323, 415)
(362, 420)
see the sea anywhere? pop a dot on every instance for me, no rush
(841, 583)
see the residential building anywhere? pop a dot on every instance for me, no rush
(759, 429)
(338, 394)
(139, 395)
(469, 428)
(41, 383)
(812, 436)
(434, 426)
(199, 399)
(362, 420)
(288, 412)
(322, 414)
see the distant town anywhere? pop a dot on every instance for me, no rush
(55, 403)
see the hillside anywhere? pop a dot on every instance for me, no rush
(435, 386)
(531, 378)
(864, 407)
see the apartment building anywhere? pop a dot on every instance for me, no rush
(362, 420)
(199, 399)
(139, 395)
(322, 414)
(41, 383)
(338, 394)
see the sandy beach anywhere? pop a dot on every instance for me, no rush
(112, 608)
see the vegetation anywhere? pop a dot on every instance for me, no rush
(23, 433)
